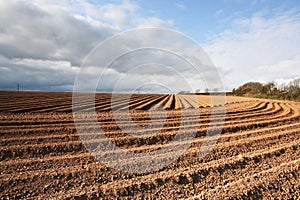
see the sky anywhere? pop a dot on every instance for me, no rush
(44, 45)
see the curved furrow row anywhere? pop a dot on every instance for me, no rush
(22, 100)
(228, 145)
(31, 150)
(72, 137)
(47, 102)
(170, 103)
(189, 101)
(148, 105)
(125, 185)
(192, 126)
(207, 175)
(67, 107)
(106, 116)
(183, 162)
(256, 184)
(9, 124)
(105, 105)
(223, 138)
(133, 105)
(119, 140)
(244, 124)
(159, 105)
(123, 104)
(35, 101)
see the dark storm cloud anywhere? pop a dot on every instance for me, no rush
(40, 48)
(27, 31)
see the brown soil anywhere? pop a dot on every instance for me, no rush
(257, 156)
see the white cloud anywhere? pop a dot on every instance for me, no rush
(281, 83)
(180, 6)
(218, 13)
(258, 48)
(118, 15)
(154, 22)
(125, 15)
(289, 66)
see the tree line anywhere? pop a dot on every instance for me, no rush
(270, 90)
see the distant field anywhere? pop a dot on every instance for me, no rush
(18, 102)
(42, 156)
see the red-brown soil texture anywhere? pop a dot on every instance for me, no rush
(257, 154)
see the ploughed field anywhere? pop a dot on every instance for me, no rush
(257, 154)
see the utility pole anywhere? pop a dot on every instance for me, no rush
(18, 87)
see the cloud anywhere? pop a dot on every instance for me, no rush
(289, 66)
(218, 13)
(42, 43)
(145, 54)
(117, 15)
(34, 74)
(281, 83)
(29, 31)
(125, 15)
(154, 22)
(261, 47)
(180, 6)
